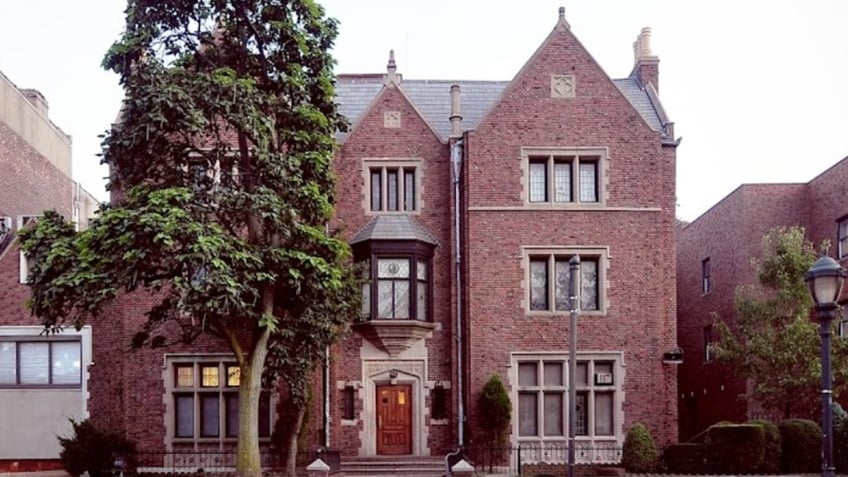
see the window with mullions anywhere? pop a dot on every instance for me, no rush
(543, 397)
(549, 283)
(33, 362)
(206, 400)
(400, 288)
(393, 189)
(567, 178)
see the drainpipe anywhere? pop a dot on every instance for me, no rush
(456, 162)
(327, 397)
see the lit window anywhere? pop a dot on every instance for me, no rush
(549, 283)
(210, 410)
(564, 178)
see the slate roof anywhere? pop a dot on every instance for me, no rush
(393, 227)
(354, 93)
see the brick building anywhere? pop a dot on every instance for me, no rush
(714, 258)
(464, 200)
(43, 380)
(562, 160)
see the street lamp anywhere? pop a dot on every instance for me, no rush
(573, 305)
(825, 281)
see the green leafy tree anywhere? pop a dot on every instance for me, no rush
(773, 342)
(221, 170)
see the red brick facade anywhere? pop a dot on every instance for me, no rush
(730, 236)
(561, 105)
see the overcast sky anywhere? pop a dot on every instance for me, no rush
(756, 88)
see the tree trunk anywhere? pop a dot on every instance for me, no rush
(248, 460)
(290, 441)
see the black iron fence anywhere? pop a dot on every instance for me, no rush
(215, 462)
(531, 458)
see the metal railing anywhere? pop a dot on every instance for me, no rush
(518, 459)
(216, 462)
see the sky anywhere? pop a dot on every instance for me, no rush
(756, 88)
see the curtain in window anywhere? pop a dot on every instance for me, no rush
(538, 284)
(527, 415)
(34, 363)
(588, 182)
(538, 182)
(8, 374)
(66, 362)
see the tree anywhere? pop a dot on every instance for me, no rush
(496, 410)
(221, 169)
(773, 342)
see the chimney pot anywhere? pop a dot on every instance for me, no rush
(456, 113)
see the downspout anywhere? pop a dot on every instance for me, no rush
(456, 162)
(326, 397)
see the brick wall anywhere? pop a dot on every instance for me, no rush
(637, 224)
(369, 139)
(730, 235)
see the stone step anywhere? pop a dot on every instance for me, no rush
(380, 466)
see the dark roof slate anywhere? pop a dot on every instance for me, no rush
(354, 93)
(394, 227)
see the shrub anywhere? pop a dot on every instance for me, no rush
(840, 438)
(94, 450)
(685, 458)
(771, 459)
(736, 448)
(640, 452)
(495, 411)
(800, 446)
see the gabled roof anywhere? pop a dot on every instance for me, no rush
(393, 227)
(354, 93)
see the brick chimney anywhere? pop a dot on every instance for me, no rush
(645, 64)
(37, 99)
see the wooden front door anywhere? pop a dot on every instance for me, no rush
(394, 419)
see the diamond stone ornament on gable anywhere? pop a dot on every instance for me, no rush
(562, 86)
(391, 119)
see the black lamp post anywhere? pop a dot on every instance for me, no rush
(825, 281)
(573, 305)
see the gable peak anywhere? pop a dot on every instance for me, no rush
(392, 77)
(562, 21)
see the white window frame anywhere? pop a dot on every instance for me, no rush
(598, 253)
(574, 157)
(594, 448)
(384, 165)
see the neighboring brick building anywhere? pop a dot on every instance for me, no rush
(714, 258)
(561, 160)
(38, 394)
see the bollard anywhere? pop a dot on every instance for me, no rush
(318, 469)
(462, 469)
